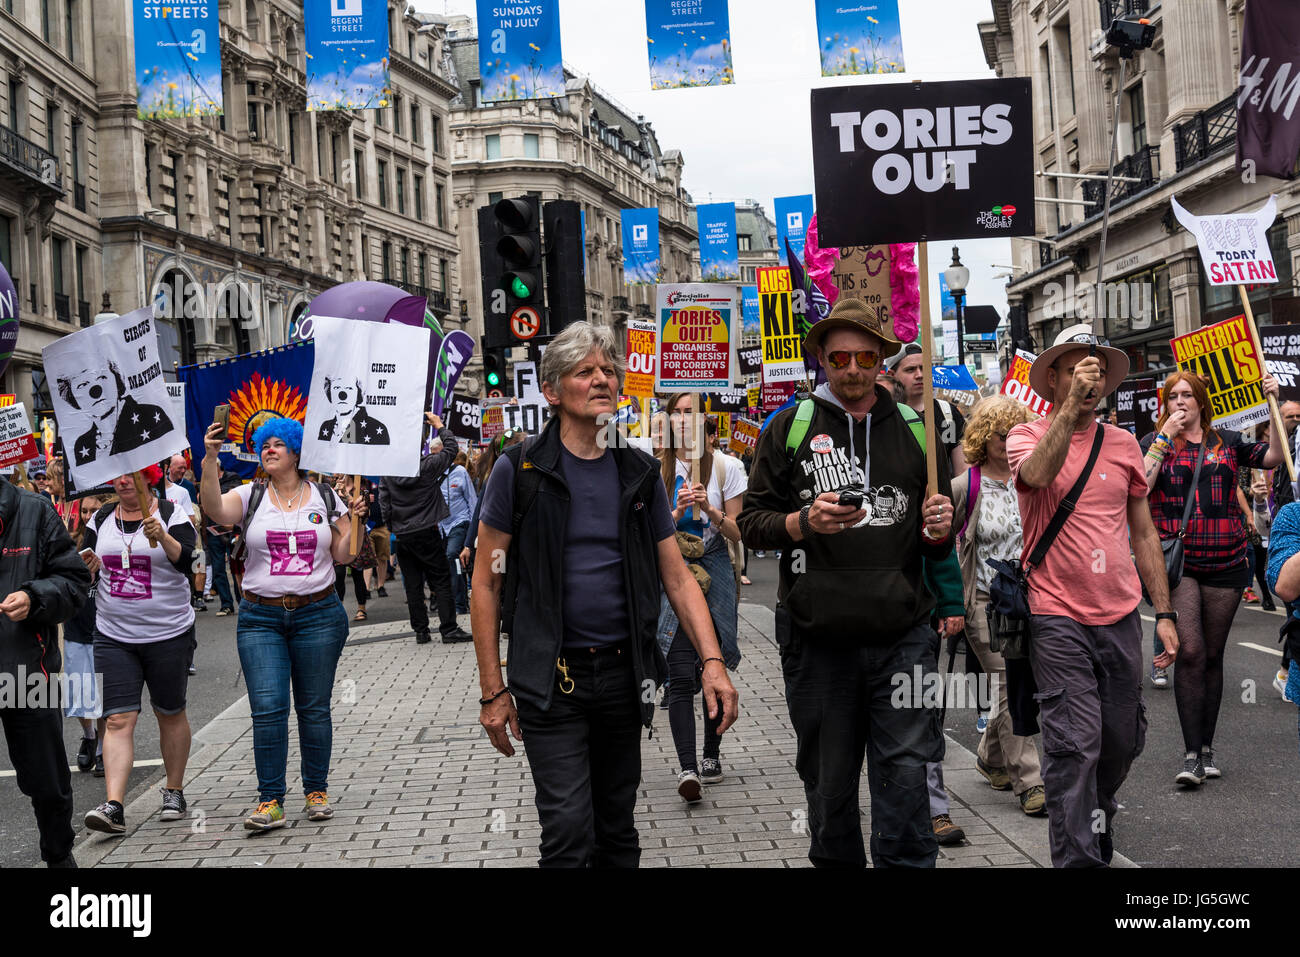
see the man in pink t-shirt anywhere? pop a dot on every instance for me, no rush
(1086, 647)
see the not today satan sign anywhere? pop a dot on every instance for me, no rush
(902, 162)
(1234, 248)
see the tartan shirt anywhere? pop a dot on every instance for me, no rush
(1216, 532)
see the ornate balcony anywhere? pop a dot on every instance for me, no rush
(1208, 132)
(1144, 166)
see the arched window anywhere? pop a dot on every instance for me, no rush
(236, 315)
(252, 20)
(176, 324)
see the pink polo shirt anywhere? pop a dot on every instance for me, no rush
(1088, 574)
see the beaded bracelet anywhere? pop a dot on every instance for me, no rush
(719, 660)
(490, 698)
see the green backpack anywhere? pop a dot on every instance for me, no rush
(803, 419)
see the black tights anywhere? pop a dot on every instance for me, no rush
(358, 583)
(683, 680)
(1261, 569)
(1204, 618)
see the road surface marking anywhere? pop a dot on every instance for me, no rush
(146, 763)
(1255, 647)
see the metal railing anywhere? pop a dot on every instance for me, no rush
(62, 307)
(1144, 166)
(1208, 132)
(1126, 9)
(83, 313)
(26, 157)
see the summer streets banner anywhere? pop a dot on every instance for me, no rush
(719, 260)
(749, 310)
(641, 246)
(519, 55)
(347, 54)
(793, 214)
(948, 160)
(689, 43)
(257, 387)
(859, 38)
(177, 58)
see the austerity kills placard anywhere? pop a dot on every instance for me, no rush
(696, 325)
(1234, 248)
(1282, 359)
(951, 160)
(782, 347)
(1225, 357)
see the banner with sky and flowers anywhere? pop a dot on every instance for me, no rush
(177, 58)
(862, 37)
(519, 53)
(689, 43)
(347, 54)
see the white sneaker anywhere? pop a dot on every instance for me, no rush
(688, 786)
(1279, 683)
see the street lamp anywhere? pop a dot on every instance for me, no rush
(957, 276)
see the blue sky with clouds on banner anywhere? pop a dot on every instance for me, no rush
(751, 140)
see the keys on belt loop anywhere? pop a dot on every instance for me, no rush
(563, 669)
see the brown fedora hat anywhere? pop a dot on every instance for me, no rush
(849, 313)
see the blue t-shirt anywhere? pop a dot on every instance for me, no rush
(594, 601)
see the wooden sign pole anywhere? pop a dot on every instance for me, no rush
(927, 384)
(356, 519)
(142, 492)
(1273, 409)
(697, 448)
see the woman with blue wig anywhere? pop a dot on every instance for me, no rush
(291, 623)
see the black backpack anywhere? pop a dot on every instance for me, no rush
(528, 482)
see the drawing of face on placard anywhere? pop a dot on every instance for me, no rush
(352, 423)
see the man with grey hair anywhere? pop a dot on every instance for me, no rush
(587, 538)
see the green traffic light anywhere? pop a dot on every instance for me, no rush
(519, 289)
(493, 379)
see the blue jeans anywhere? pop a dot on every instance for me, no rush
(218, 548)
(456, 536)
(279, 648)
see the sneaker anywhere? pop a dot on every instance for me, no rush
(224, 612)
(1106, 845)
(760, 554)
(68, 862)
(192, 670)
(1279, 684)
(422, 638)
(1193, 772)
(1207, 762)
(710, 770)
(269, 814)
(383, 592)
(1267, 603)
(998, 778)
(318, 806)
(688, 786)
(1033, 801)
(981, 723)
(1160, 677)
(200, 605)
(173, 808)
(99, 765)
(1249, 597)
(946, 832)
(455, 635)
(86, 754)
(108, 817)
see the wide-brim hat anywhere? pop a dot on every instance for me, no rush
(850, 313)
(1073, 338)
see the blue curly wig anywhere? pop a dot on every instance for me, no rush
(288, 431)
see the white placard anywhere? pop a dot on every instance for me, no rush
(527, 386)
(365, 413)
(177, 391)
(1234, 248)
(110, 399)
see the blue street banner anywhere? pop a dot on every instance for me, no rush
(177, 58)
(689, 42)
(719, 260)
(793, 214)
(857, 38)
(347, 54)
(641, 246)
(258, 387)
(947, 304)
(519, 56)
(958, 378)
(749, 311)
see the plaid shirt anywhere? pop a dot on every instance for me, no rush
(1216, 531)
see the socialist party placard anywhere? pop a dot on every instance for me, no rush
(932, 161)
(696, 325)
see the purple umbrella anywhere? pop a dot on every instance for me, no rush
(8, 317)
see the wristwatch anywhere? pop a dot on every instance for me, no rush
(1170, 615)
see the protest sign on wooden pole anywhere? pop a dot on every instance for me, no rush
(356, 519)
(927, 377)
(1273, 410)
(696, 447)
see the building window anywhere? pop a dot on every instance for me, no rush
(494, 198)
(424, 270)
(410, 45)
(15, 105)
(365, 256)
(386, 258)
(401, 191)
(1137, 112)
(397, 115)
(406, 266)
(178, 187)
(493, 144)
(47, 21)
(436, 120)
(293, 138)
(1067, 68)
(251, 20)
(7, 251)
(1045, 59)
(418, 189)
(382, 175)
(79, 280)
(69, 22)
(254, 113)
(58, 251)
(52, 130)
(532, 146)
(442, 277)
(744, 243)
(440, 201)
(232, 212)
(336, 147)
(415, 123)
(359, 172)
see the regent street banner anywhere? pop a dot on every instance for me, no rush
(719, 259)
(857, 38)
(347, 54)
(641, 246)
(689, 43)
(793, 214)
(177, 58)
(519, 55)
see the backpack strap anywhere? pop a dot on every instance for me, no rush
(914, 420)
(803, 416)
(972, 496)
(528, 482)
(327, 496)
(720, 470)
(1066, 508)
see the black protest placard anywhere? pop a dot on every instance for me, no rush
(901, 162)
(464, 416)
(730, 400)
(1282, 359)
(1137, 405)
(751, 359)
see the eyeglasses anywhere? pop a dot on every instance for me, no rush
(839, 359)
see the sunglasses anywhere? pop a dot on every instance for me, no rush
(839, 359)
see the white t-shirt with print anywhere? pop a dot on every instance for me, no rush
(736, 485)
(274, 565)
(141, 597)
(180, 497)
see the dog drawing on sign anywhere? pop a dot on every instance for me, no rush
(351, 424)
(118, 422)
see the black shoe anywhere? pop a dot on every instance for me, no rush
(99, 765)
(1267, 604)
(455, 635)
(108, 817)
(383, 592)
(173, 805)
(422, 638)
(1106, 844)
(86, 754)
(1193, 772)
(68, 861)
(200, 605)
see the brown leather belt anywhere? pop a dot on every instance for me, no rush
(290, 602)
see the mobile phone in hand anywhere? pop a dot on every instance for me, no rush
(221, 417)
(851, 497)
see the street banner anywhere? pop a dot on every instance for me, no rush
(347, 54)
(696, 326)
(464, 416)
(689, 43)
(1137, 405)
(17, 443)
(857, 38)
(948, 160)
(782, 343)
(1282, 359)
(1224, 356)
(958, 378)
(744, 435)
(257, 387)
(950, 349)
(110, 398)
(1016, 384)
(640, 246)
(177, 58)
(719, 260)
(793, 214)
(492, 419)
(1268, 127)
(519, 53)
(947, 303)
(727, 400)
(8, 317)
(365, 410)
(1234, 248)
(749, 310)
(750, 359)
(641, 356)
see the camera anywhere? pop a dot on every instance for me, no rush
(1130, 35)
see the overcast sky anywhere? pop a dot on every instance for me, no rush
(751, 140)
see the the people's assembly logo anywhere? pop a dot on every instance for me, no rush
(999, 217)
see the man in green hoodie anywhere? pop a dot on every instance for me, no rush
(852, 607)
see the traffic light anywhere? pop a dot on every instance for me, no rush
(520, 247)
(566, 289)
(494, 370)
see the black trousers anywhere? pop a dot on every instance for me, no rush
(585, 755)
(358, 583)
(842, 706)
(422, 556)
(35, 739)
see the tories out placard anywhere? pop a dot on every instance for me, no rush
(696, 326)
(932, 161)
